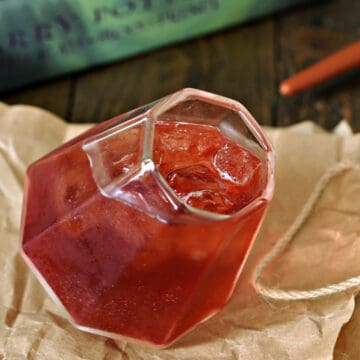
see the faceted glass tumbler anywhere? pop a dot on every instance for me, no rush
(113, 243)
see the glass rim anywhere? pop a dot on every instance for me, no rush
(149, 118)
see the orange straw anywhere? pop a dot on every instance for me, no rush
(341, 61)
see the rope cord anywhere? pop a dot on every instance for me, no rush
(278, 294)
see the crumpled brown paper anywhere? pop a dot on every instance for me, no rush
(326, 250)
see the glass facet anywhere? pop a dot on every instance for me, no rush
(139, 228)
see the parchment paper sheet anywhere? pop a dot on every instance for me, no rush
(326, 250)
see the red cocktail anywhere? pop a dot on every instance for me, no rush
(140, 226)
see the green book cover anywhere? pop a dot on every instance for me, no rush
(40, 39)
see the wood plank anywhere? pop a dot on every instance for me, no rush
(238, 63)
(304, 36)
(54, 96)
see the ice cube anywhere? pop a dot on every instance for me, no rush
(208, 200)
(235, 164)
(192, 178)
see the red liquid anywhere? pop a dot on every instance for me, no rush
(119, 270)
(206, 169)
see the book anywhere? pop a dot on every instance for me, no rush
(40, 39)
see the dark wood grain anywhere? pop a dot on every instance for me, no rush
(54, 96)
(304, 37)
(246, 63)
(237, 63)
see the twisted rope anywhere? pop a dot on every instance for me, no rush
(278, 294)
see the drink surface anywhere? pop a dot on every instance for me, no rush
(206, 169)
(119, 270)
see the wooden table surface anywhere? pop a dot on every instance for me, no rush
(246, 63)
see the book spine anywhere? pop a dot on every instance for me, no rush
(40, 39)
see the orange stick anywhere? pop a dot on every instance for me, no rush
(341, 61)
